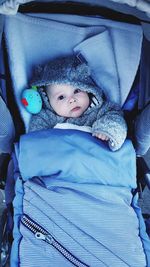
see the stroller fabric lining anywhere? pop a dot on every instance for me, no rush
(31, 41)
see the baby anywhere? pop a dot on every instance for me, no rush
(70, 95)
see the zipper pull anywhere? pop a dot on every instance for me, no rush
(39, 235)
(45, 237)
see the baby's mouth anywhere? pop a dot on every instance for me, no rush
(75, 109)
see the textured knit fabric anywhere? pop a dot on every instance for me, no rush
(7, 129)
(142, 132)
(104, 117)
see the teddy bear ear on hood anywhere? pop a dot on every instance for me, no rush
(81, 70)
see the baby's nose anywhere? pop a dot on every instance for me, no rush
(72, 99)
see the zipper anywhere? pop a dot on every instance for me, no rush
(41, 234)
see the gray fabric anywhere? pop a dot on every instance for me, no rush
(144, 82)
(7, 130)
(11, 6)
(105, 117)
(1, 25)
(142, 5)
(142, 132)
(10, 183)
(146, 30)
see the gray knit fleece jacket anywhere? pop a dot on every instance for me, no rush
(104, 117)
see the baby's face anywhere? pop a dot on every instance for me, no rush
(67, 101)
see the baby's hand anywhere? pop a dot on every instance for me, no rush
(101, 136)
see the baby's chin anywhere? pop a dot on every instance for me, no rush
(76, 112)
(73, 116)
(76, 116)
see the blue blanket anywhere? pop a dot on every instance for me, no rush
(81, 193)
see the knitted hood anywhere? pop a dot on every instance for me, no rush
(66, 70)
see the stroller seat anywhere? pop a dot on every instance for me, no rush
(81, 210)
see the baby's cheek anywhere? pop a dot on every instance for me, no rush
(63, 110)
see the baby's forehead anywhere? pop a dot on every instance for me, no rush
(56, 88)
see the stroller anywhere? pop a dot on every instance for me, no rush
(75, 202)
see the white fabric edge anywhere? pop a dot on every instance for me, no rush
(73, 127)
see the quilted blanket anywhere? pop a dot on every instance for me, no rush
(76, 206)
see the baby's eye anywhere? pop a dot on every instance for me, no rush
(61, 97)
(76, 91)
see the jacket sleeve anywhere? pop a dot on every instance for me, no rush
(110, 121)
